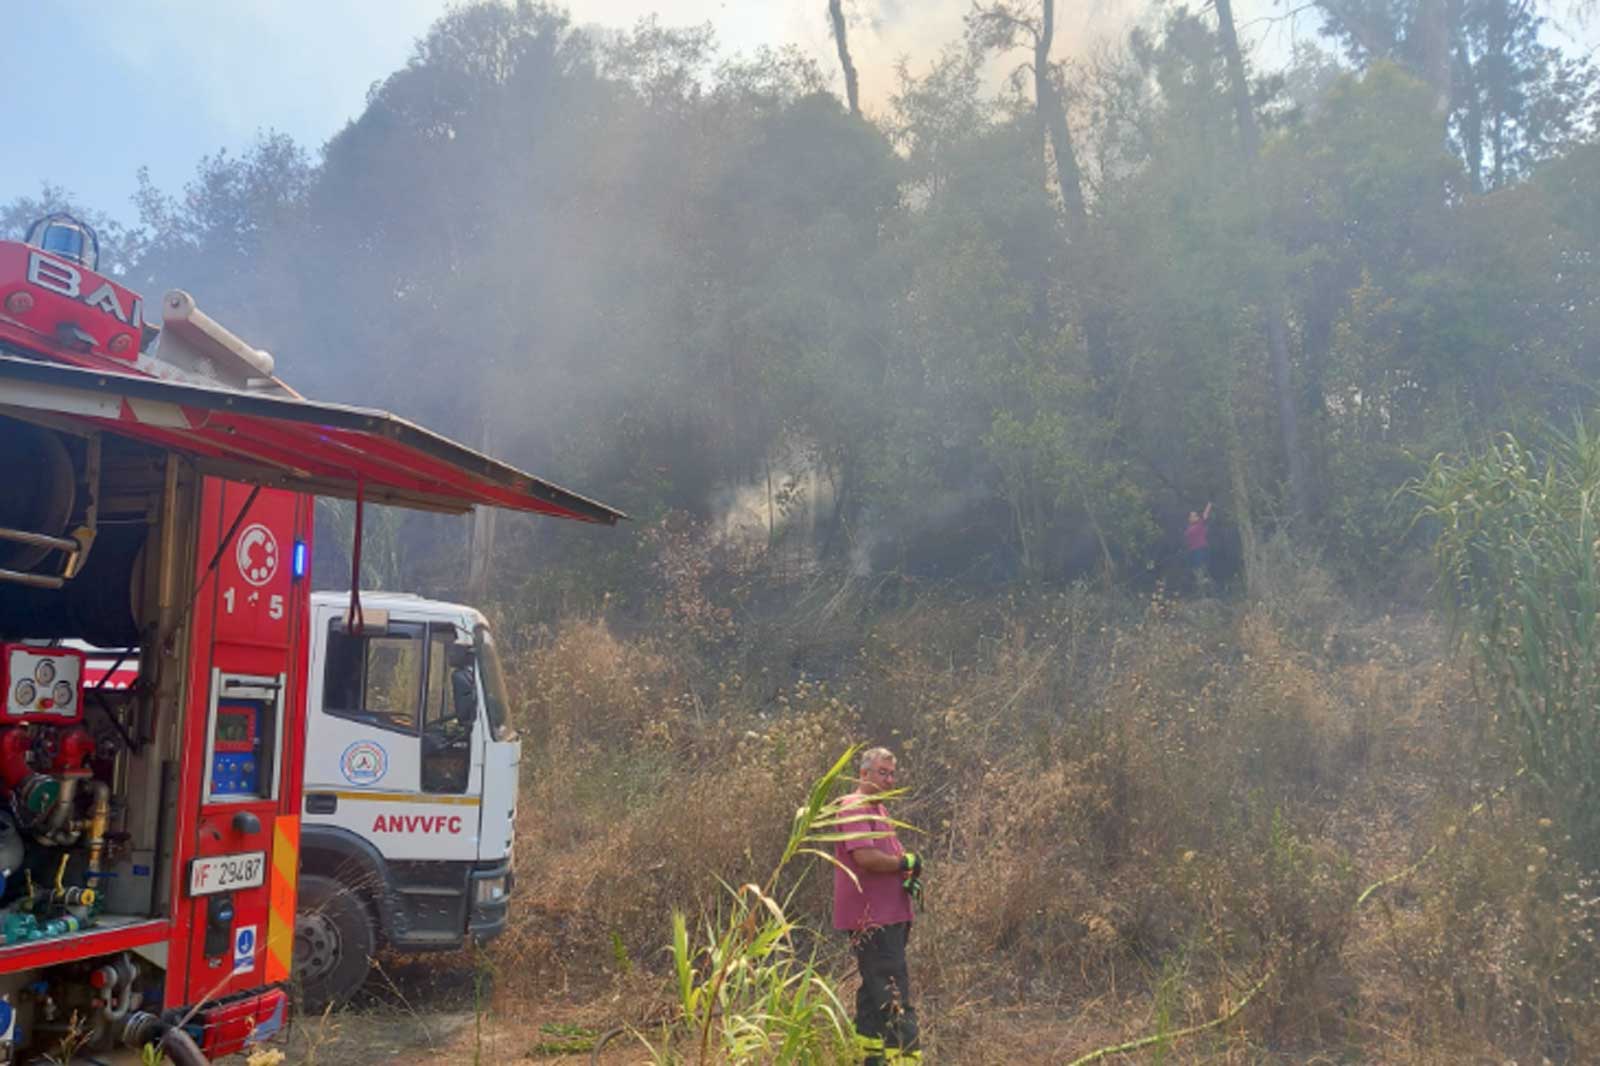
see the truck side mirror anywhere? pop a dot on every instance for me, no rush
(464, 693)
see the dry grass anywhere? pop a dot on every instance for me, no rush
(1131, 810)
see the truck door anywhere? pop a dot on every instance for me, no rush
(452, 742)
(382, 690)
(502, 753)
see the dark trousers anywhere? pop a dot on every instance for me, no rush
(883, 1003)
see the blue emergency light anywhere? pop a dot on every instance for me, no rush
(302, 555)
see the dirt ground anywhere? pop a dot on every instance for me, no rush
(441, 1027)
(438, 1011)
(426, 1012)
(380, 1035)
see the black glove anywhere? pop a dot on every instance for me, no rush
(913, 887)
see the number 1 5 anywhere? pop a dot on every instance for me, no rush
(274, 604)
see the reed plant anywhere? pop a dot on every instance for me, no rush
(744, 991)
(1518, 556)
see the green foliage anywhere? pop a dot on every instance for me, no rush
(619, 954)
(1518, 557)
(679, 281)
(383, 561)
(563, 1038)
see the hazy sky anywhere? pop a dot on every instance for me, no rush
(101, 87)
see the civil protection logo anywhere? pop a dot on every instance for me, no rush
(257, 554)
(364, 763)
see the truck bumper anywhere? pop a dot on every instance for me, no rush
(233, 1025)
(490, 886)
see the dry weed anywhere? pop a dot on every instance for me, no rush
(1129, 809)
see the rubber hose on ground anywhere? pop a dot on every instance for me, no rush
(604, 1039)
(182, 1050)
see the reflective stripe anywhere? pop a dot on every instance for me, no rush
(403, 797)
(280, 916)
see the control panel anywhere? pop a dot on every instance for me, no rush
(242, 745)
(236, 750)
(41, 684)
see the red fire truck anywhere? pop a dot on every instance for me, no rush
(157, 494)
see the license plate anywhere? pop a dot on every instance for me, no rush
(224, 873)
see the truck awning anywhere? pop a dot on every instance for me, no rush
(320, 448)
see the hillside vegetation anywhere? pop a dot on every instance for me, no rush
(1135, 810)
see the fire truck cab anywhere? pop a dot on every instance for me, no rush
(158, 496)
(410, 787)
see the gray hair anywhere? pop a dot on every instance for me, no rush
(873, 756)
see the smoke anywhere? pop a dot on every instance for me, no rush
(789, 503)
(884, 34)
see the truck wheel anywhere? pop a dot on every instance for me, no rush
(333, 942)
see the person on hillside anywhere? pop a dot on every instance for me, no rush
(1196, 540)
(874, 885)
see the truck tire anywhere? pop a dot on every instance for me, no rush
(334, 940)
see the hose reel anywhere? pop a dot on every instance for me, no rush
(47, 525)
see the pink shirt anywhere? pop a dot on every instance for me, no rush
(1194, 538)
(880, 899)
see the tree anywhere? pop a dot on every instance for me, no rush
(1503, 98)
(1515, 99)
(1273, 309)
(234, 237)
(1031, 330)
(852, 87)
(996, 27)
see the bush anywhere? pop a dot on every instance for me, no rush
(1497, 947)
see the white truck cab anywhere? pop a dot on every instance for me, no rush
(410, 787)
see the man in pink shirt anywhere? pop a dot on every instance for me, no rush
(1197, 540)
(874, 907)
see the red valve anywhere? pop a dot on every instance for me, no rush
(73, 750)
(14, 745)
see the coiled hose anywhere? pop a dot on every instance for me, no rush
(181, 1048)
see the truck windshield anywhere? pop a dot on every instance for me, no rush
(496, 703)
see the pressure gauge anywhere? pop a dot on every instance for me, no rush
(45, 672)
(62, 694)
(24, 693)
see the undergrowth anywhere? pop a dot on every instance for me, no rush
(1132, 810)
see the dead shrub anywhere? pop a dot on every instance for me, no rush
(1290, 584)
(1497, 942)
(588, 687)
(1020, 882)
